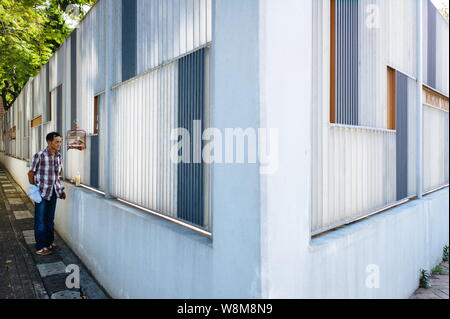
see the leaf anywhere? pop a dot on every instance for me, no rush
(30, 32)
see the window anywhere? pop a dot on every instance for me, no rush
(435, 99)
(36, 122)
(96, 118)
(94, 146)
(344, 62)
(49, 107)
(333, 62)
(191, 83)
(391, 99)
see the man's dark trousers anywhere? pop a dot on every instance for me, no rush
(44, 216)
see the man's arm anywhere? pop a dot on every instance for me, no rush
(33, 169)
(31, 177)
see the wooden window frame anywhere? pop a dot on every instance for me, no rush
(37, 121)
(391, 98)
(49, 110)
(430, 97)
(96, 129)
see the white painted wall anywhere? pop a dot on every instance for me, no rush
(136, 255)
(17, 168)
(400, 241)
(261, 244)
(286, 104)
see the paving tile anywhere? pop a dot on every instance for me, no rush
(57, 283)
(53, 258)
(20, 267)
(15, 201)
(30, 240)
(440, 294)
(29, 237)
(66, 294)
(439, 287)
(28, 233)
(22, 214)
(25, 224)
(444, 290)
(51, 269)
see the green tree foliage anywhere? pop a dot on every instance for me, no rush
(30, 32)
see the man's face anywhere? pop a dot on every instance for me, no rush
(55, 144)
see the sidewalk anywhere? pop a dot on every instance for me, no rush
(23, 274)
(439, 286)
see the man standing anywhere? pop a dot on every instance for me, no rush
(44, 173)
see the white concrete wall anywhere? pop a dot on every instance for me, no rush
(399, 242)
(235, 188)
(136, 255)
(286, 104)
(261, 244)
(17, 168)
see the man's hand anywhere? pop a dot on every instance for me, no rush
(31, 177)
(63, 195)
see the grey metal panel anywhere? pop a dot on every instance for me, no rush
(73, 78)
(59, 108)
(39, 141)
(191, 104)
(47, 110)
(95, 161)
(347, 62)
(402, 135)
(32, 100)
(431, 46)
(129, 39)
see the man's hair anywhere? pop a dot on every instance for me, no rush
(51, 136)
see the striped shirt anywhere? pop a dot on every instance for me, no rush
(47, 169)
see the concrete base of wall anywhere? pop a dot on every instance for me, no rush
(137, 255)
(131, 253)
(17, 168)
(380, 257)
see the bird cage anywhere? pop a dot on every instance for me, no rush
(76, 139)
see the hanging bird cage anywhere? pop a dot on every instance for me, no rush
(76, 139)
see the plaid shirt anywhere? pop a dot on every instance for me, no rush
(47, 169)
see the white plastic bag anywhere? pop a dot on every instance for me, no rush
(34, 193)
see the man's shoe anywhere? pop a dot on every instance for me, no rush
(44, 252)
(53, 247)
